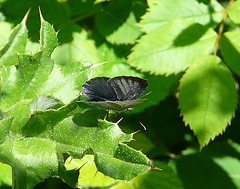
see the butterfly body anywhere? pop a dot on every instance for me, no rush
(117, 93)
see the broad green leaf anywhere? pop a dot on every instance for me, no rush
(168, 10)
(117, 21)
(207, 98)
(172, 47)
(74, 46)
(16, 44)
(230, 49)
(215, 167)
(165, 178)
(233, 12)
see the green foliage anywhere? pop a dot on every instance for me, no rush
(189, 52)
(202, 93)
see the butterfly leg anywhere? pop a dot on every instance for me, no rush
(105, 118)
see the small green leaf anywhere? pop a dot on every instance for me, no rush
(89, 176)
(117, 21)
(233, 12)
(230, 49)
(172, 47)
(166, 11)
(5, 175)
(74, 46)
(207, 98)
(16, 44)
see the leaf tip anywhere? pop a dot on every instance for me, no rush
(40, 13)
(152, 166)
(26, 16)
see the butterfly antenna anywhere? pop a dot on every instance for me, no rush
(146, 94)
(138, 121)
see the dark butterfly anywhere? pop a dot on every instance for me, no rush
(117, 93)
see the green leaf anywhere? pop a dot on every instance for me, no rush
(74, 46)
(4, 33)
(89, 176)
(16, 44)
(230, 49)
(117, 21)
(207, 98)
(5, 175)
(172, 47)
(233, 12)
(166, 11)
(153, 179)
(216, 166)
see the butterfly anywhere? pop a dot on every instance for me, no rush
(117, 93)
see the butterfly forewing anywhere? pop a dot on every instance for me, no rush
(128, 87)
(98, 89)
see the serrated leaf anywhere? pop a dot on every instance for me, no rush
(207, 98)
(74, 46)
(168, 10)
(172, 47)
(230, 49)
(117, 21)
(16, 44)
(233, 12)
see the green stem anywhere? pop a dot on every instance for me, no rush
(220, 29)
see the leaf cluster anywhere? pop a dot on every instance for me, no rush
(188, 50)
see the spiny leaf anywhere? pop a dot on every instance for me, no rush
(16, 44)
(207, 98)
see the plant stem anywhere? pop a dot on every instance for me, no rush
(220, 29)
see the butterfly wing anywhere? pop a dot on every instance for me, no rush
(128, 87)
(98, 89)
(117, 105)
